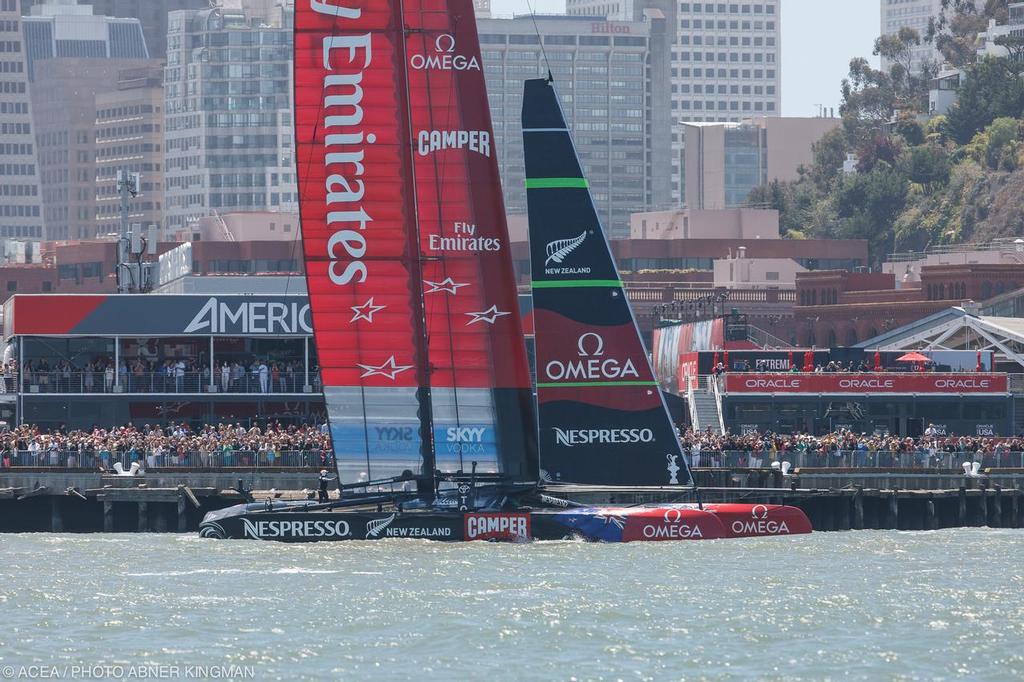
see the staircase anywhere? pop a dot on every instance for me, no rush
(704, 408)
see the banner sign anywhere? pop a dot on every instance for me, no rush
(865, 383)
(146, 315)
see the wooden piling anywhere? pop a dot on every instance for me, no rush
(1015, 508)
(182, 515)
(108, 516)
(894, 510)
(997, 508)
(931, 522)
(56, 518)
(858, 509)
(143, 517)
(961, 512)
(983, 506)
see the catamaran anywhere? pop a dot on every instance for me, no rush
(430, 400)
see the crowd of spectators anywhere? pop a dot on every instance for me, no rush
(846, 448)
(175, 445)
(171, 375)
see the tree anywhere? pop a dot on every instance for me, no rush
(997, 146)
(879, 149)
(868, 96)
(829, 156)
(1014, 45)
(910, 88)
(925, 165)
(989, 90)
(867, 205)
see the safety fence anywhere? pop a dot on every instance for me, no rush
(858, 459)
(165, 382)
(218, 459)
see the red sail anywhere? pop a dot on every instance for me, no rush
(410, 276)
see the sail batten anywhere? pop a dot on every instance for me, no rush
(602, 418)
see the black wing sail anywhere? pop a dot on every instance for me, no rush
(602, 417)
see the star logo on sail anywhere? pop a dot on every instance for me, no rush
(448, 286)
(390, 369)
(488, 316)
(366, 311)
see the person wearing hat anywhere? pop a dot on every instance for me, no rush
(324, 480)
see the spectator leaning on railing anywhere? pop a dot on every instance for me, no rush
(174, 445)
(846, 448)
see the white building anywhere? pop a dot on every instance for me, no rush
(739, 272)
(725, 60)
(20, 201)
(915, 14)
(1014, 27)
(230, 150)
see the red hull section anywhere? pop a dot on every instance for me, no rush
(758, 520)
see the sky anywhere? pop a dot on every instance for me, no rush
(819, 37)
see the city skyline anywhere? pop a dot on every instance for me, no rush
(814, 61)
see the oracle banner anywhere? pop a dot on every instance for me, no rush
(866, 383)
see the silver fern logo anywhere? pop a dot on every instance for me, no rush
(376, 527)
(560, 249)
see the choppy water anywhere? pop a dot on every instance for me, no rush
(865, 605)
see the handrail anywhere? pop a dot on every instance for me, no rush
(65, 382)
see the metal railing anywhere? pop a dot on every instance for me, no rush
(218, 459)
(853, 459)
(161, 382)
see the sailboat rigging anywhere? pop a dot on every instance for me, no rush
(415, 310)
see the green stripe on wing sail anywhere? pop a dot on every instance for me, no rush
(556, 183)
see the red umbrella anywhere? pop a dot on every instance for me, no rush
(978, 367)
(714, 361)
(913, 356)
(790, 360)
(878, 361)
(809, 361)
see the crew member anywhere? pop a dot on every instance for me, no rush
(324, 480)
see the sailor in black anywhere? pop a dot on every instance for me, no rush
(324, 480)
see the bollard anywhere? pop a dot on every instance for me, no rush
(894, 510)
(961, 511)
(56, 518)
(108, 516)
(858, 509)
(997, 508)
(143, 517)
(930, 520)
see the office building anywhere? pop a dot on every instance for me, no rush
(723, 162)
(915, 14)
(603, 71)
(60, 29)
(129, 136)
(152, 14)
(228, 139)
(725, 61)
(20, 203)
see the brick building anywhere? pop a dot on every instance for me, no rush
(843, 308)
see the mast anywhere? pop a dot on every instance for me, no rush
(423, 393)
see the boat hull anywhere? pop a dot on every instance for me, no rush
(599, 523)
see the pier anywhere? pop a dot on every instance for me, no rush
(88, 501)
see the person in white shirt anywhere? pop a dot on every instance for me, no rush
(264, 375)
(225, 376)
(179, 376)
